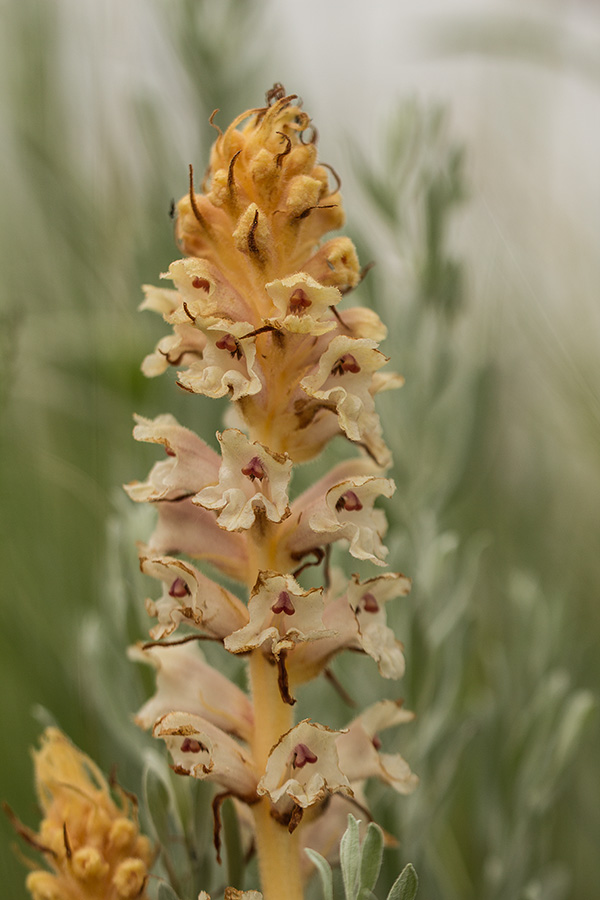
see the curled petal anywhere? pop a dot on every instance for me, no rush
(186, 683)
(303, 766)
(190, 464)
(367, 600)
(205, 291)
(190, 597)
(358, 748)
(200, 749)
(280, 613)
(303, 304)
(334, 509)
(343, 379)
(184, 345)
(297, 536)
(227, 366)
(348, 512)
(181, 348)
(160, 300)
(251, 477)
(355, 613)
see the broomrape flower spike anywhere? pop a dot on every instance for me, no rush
(256, 312)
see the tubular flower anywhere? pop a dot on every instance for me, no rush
(282, 613)
(256, 312)
(188, 595)
(251, 477)
(359, 747)
(90, 841)
(303, 766)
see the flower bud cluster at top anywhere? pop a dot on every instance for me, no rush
(255, 315)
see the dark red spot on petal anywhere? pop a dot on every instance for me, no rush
(170, 452)
(200, 283)
(346, 363)
(298, 302)
(179, 588)
(189, 745)
(284, 604)
(369, 603)
(229, 343)
(376, 741)
(254, 469)
(302, 755)
(348, 501)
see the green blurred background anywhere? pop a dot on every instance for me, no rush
(467, 137)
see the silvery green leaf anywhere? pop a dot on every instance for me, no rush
(233, 843)
(370, 862)
(325, 873)
(405, 886)
(350, 857)
(575, 718)
(166, 892)
(158, 802)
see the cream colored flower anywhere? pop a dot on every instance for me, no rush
(355, 614)
(303, 305)
(250, 478)
(227, 366)
(359, 753)
(281, 614)
(190, 464)
(200, 749)
(367, 599)
(190, 597)
(303, 766)
(186, 683)
(347, 511)
(180, 348)
(344, 377)
(205, 293)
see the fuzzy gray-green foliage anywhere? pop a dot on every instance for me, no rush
(495, 517)
(494, 667)
(360, 865)
(103, 107)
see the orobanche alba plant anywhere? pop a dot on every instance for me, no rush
(258, 314)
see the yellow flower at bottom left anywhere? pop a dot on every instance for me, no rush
(91, 841)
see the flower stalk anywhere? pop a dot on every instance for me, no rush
(255, 312)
